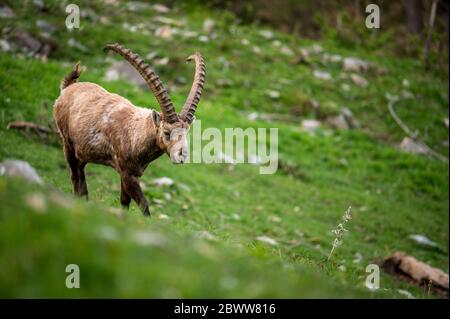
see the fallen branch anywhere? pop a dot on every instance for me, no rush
(31, 126)
(411, 134)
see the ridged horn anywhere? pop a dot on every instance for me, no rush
(188, 111)
(168, 110)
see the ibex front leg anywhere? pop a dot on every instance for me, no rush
(131, 187)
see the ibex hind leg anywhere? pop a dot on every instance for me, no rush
(125, 199)
(77, 172)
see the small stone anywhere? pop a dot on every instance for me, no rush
(6, 12)
(160, 8)
(208, 25)
(355, 65)
(163, 181)
(266, 34)
(408, 145)
(273, 94)
(310, 126)
(267, 240)
(359, 80)
(322, 75)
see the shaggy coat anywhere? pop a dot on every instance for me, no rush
(100, 127)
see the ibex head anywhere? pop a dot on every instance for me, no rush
(172, 128)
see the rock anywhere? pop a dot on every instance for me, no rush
(408, 145)
(256, 50)
(160, 8)
(20, 169)
(162, 61)
(163, 216)
(4, 45)
(27, 43)
(204, 234)
(410, 269)
(267, 240)
(77, 45)
(164, 32)
(122, 69)
(405, 293)
(287, 51)
(349, 118)
(39, 4)
(89, 14)
(203, 38)
(45, 26)
(316, 49)
(331, 58)
(423, 240)
(245, 42)
(273, 94)
(163, 181)
(310, 125)
(169, 21)
(355, 65)
(338, 122)
(148, 238)
(266, 34)
(137, 6)
(359, 80)
(208, 25)
(6, 12)
(446, 122)
(322, 75)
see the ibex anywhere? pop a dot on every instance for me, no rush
(104, 128)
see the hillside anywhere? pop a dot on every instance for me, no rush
(224, 230)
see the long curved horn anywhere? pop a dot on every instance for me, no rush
(168, 110)
(188, 111)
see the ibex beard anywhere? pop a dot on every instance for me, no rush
(104, 128)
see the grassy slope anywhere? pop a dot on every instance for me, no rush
(393, 194)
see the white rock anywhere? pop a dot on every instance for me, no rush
(423, 240)
(4, 45)
(164, 32)
(408, 145)
(148, 238)
(322, 75)
(267, 240)
(273, 94)
(405, 293)
(163, 216)
(359, 80)
(355, 65)
(20, 169)
(163, 181)
(287, 51)
(310, 125)
(266, 34)
(208, 25)
(203, 38)
(6, 12)
(160, 8)
(204, 234)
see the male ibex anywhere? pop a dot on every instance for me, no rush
(104, 128)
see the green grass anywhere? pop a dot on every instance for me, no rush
(393, 194)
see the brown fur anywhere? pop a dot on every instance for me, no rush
(104, 128)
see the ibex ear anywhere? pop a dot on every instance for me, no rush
(156, 118)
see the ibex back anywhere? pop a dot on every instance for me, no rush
(104, 128)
